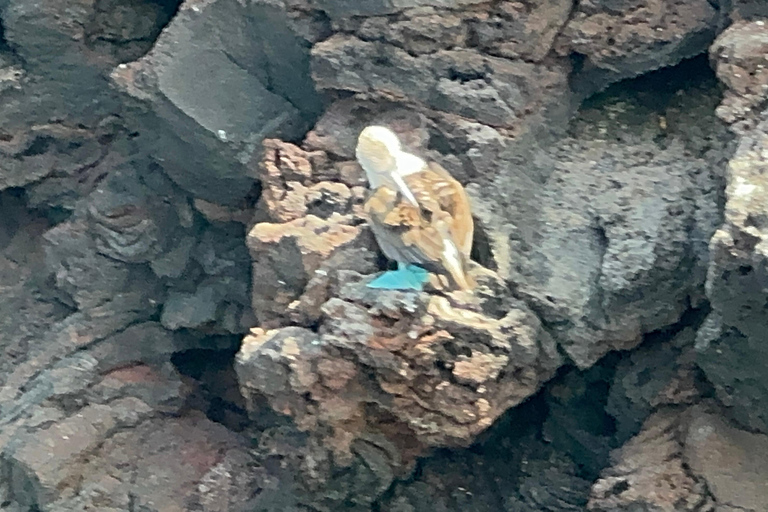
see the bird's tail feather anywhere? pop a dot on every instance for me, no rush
(455, 263)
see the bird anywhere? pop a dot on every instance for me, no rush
(419, 214)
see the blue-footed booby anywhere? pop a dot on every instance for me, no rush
(419, 214)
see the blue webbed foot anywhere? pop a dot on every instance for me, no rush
(406, 277)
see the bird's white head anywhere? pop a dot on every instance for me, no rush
(377, 150)
(381, 156)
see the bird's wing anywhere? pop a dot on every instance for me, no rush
(436, 190)
(423, 234)
(397, 226)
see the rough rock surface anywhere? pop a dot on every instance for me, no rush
(414, 370)
(738, 55)
(177, 175)
(685, 459)
(728, 459)
(173, 464)
(620, 39)
(732, 336)
(490, 90)
(312, 229)
(607, 230)
(649, 473)
(221, 77)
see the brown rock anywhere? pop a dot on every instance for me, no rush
(169, 465)
(420, 369)
(649, 473)
(731, 461)
(315, 229)
(520, 29)
(288, 256)
(52, 458)
(337, 130)
(296, 183)
(419, 31)
(739, 58)
(630, 37)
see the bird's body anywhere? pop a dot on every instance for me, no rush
(419, 214)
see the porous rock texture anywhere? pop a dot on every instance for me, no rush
(183, 257)
(736, 280)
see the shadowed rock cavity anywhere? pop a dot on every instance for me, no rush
(612, 41)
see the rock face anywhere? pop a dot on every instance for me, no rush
(738, 55)
(728, 460)
(731, 337)
(312, 229)
(730, 343)
(678, 459)
(648, 473)
(607, 232)
(624, 38)
(221, 77)
(183, 257)
(417, 370)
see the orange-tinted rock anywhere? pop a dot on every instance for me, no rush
(420, 369)
(288, 256)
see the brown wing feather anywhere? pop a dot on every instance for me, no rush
(398, 227)
(436, 189)
(417, 235)
(403, 228)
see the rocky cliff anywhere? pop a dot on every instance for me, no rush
(185, 325)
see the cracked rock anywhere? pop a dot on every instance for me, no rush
(254, 60)
(316, 229)
(297, 183)
(418, 370)
(464, 82)
(650, 473)
(625, 38)
(730, 344)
